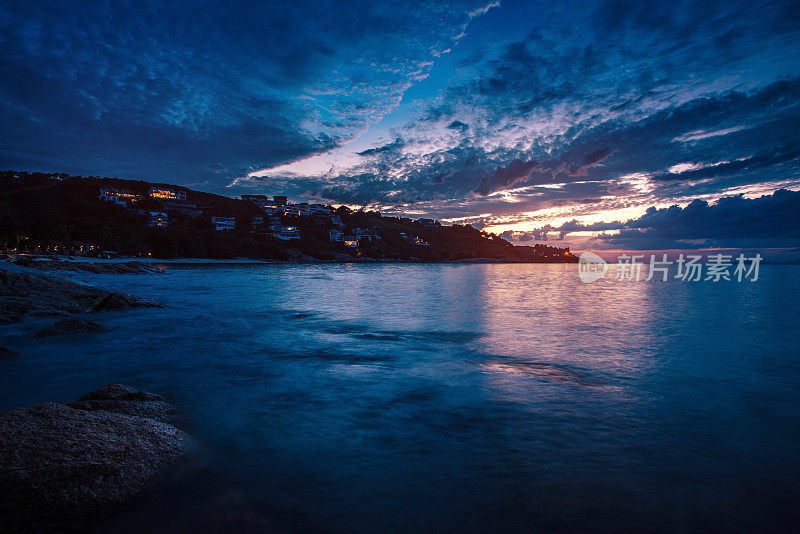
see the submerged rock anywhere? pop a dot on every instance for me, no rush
(6, 353)
(130, 267)
(116, 301)
(25, 294)
(126, 400)
(70, 325)
(61, 466)
(121, 392)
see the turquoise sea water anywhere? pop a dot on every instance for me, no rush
(470, 398)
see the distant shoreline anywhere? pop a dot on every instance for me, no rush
(63, 263)
(90, 216)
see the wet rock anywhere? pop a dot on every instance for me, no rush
(116, 301)
(25, 262)
(61, 467)
(131, 267)
(121, 392)
(48, 313)
(13, 311)
(127, 400)
(70, 325)
(6, 353)
(25, 294)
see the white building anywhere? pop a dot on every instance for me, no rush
(181, 206)
(118, 196)
(158, 219)
(361, 233)
(319, 208)
(288, 233)
(291, 210)
(272, 210)
(166, 194)
(224, 223)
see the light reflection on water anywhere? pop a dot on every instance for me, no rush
(479, 398)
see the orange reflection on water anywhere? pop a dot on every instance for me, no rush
(542, 323)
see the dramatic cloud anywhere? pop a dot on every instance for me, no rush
(594, 109)
(512, 116)
(188, 91)
(769, 220)
(769, 216)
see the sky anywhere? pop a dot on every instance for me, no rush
(604, 125)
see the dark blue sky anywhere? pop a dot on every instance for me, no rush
(508, 115)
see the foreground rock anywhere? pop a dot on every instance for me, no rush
(6, 353)
(129, 267)
(70, 325)
(127, 400)
(33, 295)
(61, 466)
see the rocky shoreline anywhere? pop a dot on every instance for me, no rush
(51, 264)
(62, 466)
(152, 265)
(25, 294)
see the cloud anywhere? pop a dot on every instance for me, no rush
(734, 221)
(563, 116)
(586, 110)
(736, 217)
(186, 91)
(506, 176)
(699, 135)
(391, 147)
(458, 125)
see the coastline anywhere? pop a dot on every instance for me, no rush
(65, 261)
(66, 465)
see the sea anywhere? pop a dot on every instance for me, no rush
(505, 398)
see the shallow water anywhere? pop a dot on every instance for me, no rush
(475, 398)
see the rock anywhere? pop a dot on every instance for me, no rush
(55, 264)
(115, 301)
(25, 294)
(6, 353)
(121, 392)
(25, 262)
(61, 467)
(127, 400)
(70, 325)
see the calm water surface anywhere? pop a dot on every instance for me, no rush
(470, 398)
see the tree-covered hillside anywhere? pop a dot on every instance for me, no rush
(48, 213)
